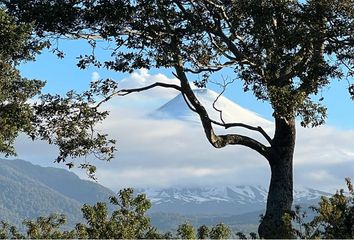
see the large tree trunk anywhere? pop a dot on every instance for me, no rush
(280, 195)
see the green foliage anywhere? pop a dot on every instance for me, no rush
(252, 235)
(241, 235)
(45, 227)
(17, 45)
(186, 231)
(41, 228)
(7, 231)
(203, 232)
(220, 231)
(334, 217)
(283, 51)
(127, 221)
(66, 121)
(69, 122)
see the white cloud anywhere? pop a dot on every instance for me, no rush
(170, 152)
(324, 146)
(142, 78)
(95, 76)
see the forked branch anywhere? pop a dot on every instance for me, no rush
(218, 141)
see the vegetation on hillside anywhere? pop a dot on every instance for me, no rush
(334, 219)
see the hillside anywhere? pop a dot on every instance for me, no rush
(29, 191)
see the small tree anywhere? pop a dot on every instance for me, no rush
(203, 232)
(220, 231)
(128, 221)
(334, 217)
(186, 231)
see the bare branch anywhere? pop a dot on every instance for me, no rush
(223, 86)
(249, 127)
(124, 92)
(230, 125)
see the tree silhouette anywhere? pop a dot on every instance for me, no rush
(285, 52)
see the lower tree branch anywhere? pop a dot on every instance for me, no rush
(124, 92)
(218, 141)
(249, 127)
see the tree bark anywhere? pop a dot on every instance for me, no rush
(275, 223)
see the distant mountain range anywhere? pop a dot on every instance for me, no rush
(220, 201)
(28, 191)
(239, 207)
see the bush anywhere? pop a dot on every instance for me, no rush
(334, 217)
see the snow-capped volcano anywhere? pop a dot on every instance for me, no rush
(231, 112)
(221, 200)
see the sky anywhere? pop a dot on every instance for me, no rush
(171, 152)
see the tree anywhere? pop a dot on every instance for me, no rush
(16, 114)
(220, 231)
(285, 52)
(334, 217)
(128, 220)
(203, 232)
(64, 121)
(47, 228)
(186, 231)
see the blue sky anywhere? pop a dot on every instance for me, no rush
(63, 75)
(155, 153)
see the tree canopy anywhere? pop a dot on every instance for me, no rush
(65, 121)
(17, 45)
(284, 51)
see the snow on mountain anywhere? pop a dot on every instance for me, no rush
(231, 112)
(228, 194)
(221, 200)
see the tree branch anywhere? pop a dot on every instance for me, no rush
(230, 125)
(218, 141)
(124, 92)
(249, 127)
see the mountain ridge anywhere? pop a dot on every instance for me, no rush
(226, 200)
(176, 108)
(28, 191)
